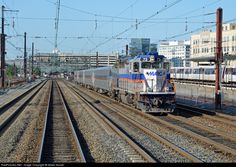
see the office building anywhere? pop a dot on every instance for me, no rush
(176, 51)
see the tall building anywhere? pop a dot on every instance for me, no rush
(139, 46)
(176, 51)
(203, 44)
(153, 47)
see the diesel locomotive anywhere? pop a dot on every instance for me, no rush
(143, 82)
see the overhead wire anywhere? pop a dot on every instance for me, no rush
(116, 21)
(140, 22)
(89, 13)
(199, 8)
(112, 20)
(198, 29)
(186, 16)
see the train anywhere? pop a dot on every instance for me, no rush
(203, 73)
(142, 82)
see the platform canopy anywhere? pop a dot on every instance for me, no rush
(211, 58)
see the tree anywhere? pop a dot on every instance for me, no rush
(10, 72)
(37, 71)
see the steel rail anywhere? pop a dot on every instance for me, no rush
(115, 127)
(156, 136)
(7, 104)
(18, 110)
(180, 129)
(71, 126)
(45, 124)
(229, 121)
(198, 125)
(152, 134)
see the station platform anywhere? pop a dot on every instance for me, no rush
(8, 94)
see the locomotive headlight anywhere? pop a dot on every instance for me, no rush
(152, 58)
(167, 89)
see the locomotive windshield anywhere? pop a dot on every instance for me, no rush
(151, 65)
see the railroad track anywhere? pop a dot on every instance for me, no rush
(11, 110)
(134, 151)
(193, 111)
(218, 147)
(214, 135)
(5, 105)
(186, 157)
(59, 142)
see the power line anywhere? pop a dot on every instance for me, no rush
(118, 21)
(132, 26)
(112, 19)
(17, 48)
(126, 20)
(197, 9)
(128, 8)
(88, 13)
(198, 29)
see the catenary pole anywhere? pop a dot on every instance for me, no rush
(219, 57)
(3, 51)
(25, 57)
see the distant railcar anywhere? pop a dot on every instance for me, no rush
(203, 73)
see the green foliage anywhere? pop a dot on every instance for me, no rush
(37, 71)
(10, 72)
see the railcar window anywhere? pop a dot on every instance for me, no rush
(229, 70)
(196, 71)
(188, 71)
(149, 65)
(157, 65)
(146, 65)
(172, 71)
(209, 71)
(167, 66)
(136, 66)
(201, 70)
(180, 71)
(234, 71)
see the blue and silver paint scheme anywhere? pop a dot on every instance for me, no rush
(148, 84)
(143, 81)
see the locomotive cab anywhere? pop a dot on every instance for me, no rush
(154, 70)
(149, 80)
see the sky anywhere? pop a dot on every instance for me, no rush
(106, 26)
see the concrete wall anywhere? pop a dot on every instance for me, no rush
(205, 93)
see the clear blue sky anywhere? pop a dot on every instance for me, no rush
(88, 25)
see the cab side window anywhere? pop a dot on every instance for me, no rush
(136, 67)
(167, 66)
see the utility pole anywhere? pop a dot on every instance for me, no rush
(219, 57)
(25, 57)
(97, 59)
(55, 58)
(3, 51)
(3, 47)
(127, 50)
(32, 61)
(14, 69)
(56, 26)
